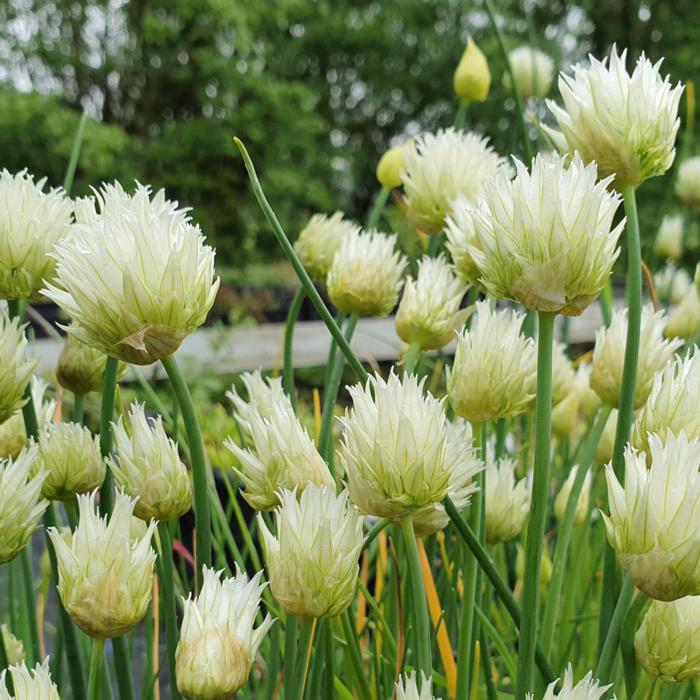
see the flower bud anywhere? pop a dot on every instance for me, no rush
(625, 123)
(673, 404)
(313, 560)
(506, 501)
(609, 355)
(533, 70)
(429, 313)
(148, 467)
(105, 577)
(80, 367)
(218, 640)
(688, 182)
(545, 569)
(319, 241)
(21, 505)
(652, 525)
(565, 416)
(392, 164)
(588, 400)
(136, 277)
(280, 454)
(70, 456)
(671, 284)
(460, 232)
(396, 448)
(13, 647)
(669, 239)
(685, 318)
(15, 366)
(552, 253)
(441, 167)
(493, 374)
(586, 689)
(31, 221)
(562, 499)
(407, 688)
(667, 643)
(606, 444)
(365, 277)
(472, 78)
(29, 685)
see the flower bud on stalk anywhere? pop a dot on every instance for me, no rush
(392, 164)
(81, 368)
(684, 320)
(669, 239)
(688, 182)
(472, 78)
(562, 499)
(218, 639)
(671, 284)
(533, 71)
(506, 501)
(313, 559)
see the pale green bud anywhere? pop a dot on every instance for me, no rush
(392, 164)
(685, 318)
(671, 284)
(429, 313)
(15, 366)
(669, 239)
(13, 646)
(319, 241)
(21, 504)
(218, 638)
(667, 643)
(136, 277)
(589, 401)
(29, 685)
(366, 275)
(105, 577)
(472, 78)
(625, 123)
(533, 70)
(506, 501)
(148, 467)
(606, 444)
(80, 367)
(565, 415)
(652, 524)
(586, 689)
(609, 355)
(688, 182)
(313, 560)
(583, 503)
(493, 374)
(69, 454)
(408, 688)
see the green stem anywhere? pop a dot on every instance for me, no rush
(421, 619)
(612, 638)
(329, 663)
(202, 517)
(288, 366)
(461, 114)
(122, 664)
(96, 665)
(411, 358)
(306, 639)
(298, 267)
(75, 154)
(644, 688)
(291, 634)
(109, 390)
(465, 651)
(377, 209)
(376, 529)
(551, 611)
(78, 408)
(535, 531)
(4, 663)
(30, 601)
(355, 658)
(167, 591)
(629, 627)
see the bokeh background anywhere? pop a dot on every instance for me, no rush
(318, 89)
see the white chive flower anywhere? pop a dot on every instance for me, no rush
(671, 284)
(32, 221)
(506, 501)
(15, 366)
(563, 373)
(609, 355)
(626, 123)
(21, 504)
(319, 241)
(669, 238)
(546, 238)
(105, 576)
(34, 684)
(684, 320)
(533, 69)
(588, 400)
(148, 468)
(218, 638)
(586, 689)
(562, 500)
(461, 234)
(653, 525)
(495, 365)
(429, 313)
(312, 561)
(366, 274)
(688, 182)
(441, 167)
(135, 277)
(408, 688)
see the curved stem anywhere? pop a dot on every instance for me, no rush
(612, 639)
(109, 389)
(421, 619)
(202, 517)
(377, 210)
(167, 589)
(96, 666)
(466, 624)
(376, 529)
(535, 531)
(78, 408)
(288, 367)
(298, 267)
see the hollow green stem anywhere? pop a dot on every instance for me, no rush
(4, 663)
(304, 278)
(122, 664)
(612, 638)
(167, 592)
(375, 213)
(109, 390)
(411, 358)
(202, 516)
(629, 628)
(288, 366)
(535, 531)
(461, 113)
(291, 635)
(376, 529)
(30, 602)
(353, 650)
(96, 665)
(75, 154)
(421, 619)
(78, 408)
(465, 650)
(306, 639)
